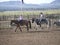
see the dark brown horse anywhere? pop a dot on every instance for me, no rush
(21, 23)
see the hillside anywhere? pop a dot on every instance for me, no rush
(56, 2)
(16, 5)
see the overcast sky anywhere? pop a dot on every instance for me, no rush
(31, 1)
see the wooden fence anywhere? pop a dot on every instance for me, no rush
(5, 20)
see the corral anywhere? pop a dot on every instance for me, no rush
(41, 36)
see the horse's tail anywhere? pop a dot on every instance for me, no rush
(11, 22)
(30, 24)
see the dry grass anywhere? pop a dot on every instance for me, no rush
(7, 13)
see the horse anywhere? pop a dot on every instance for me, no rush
(36, 21)
(57, 23)
(21, 23)
(39, 22)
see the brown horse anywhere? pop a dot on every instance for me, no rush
(21, 23)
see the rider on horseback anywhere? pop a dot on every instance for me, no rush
(41, 16)
(20, 18)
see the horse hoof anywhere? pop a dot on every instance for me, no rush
(21, 30)
(36, 28)
(15, 31)
(42, 28)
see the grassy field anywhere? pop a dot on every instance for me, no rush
(30, 12)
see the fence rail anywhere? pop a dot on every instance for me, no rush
(5, 20)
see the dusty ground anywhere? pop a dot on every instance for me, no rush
(33, 37)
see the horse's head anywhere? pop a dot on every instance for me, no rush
(33, 19)
(13, 22)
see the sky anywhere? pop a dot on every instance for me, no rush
(31, 1)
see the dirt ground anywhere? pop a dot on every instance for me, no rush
(33, 37)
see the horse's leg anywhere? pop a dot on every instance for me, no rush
(20, 28)
(48, 24)
(40, 24)
(27, 27)
(30, 24)
(16, 28)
